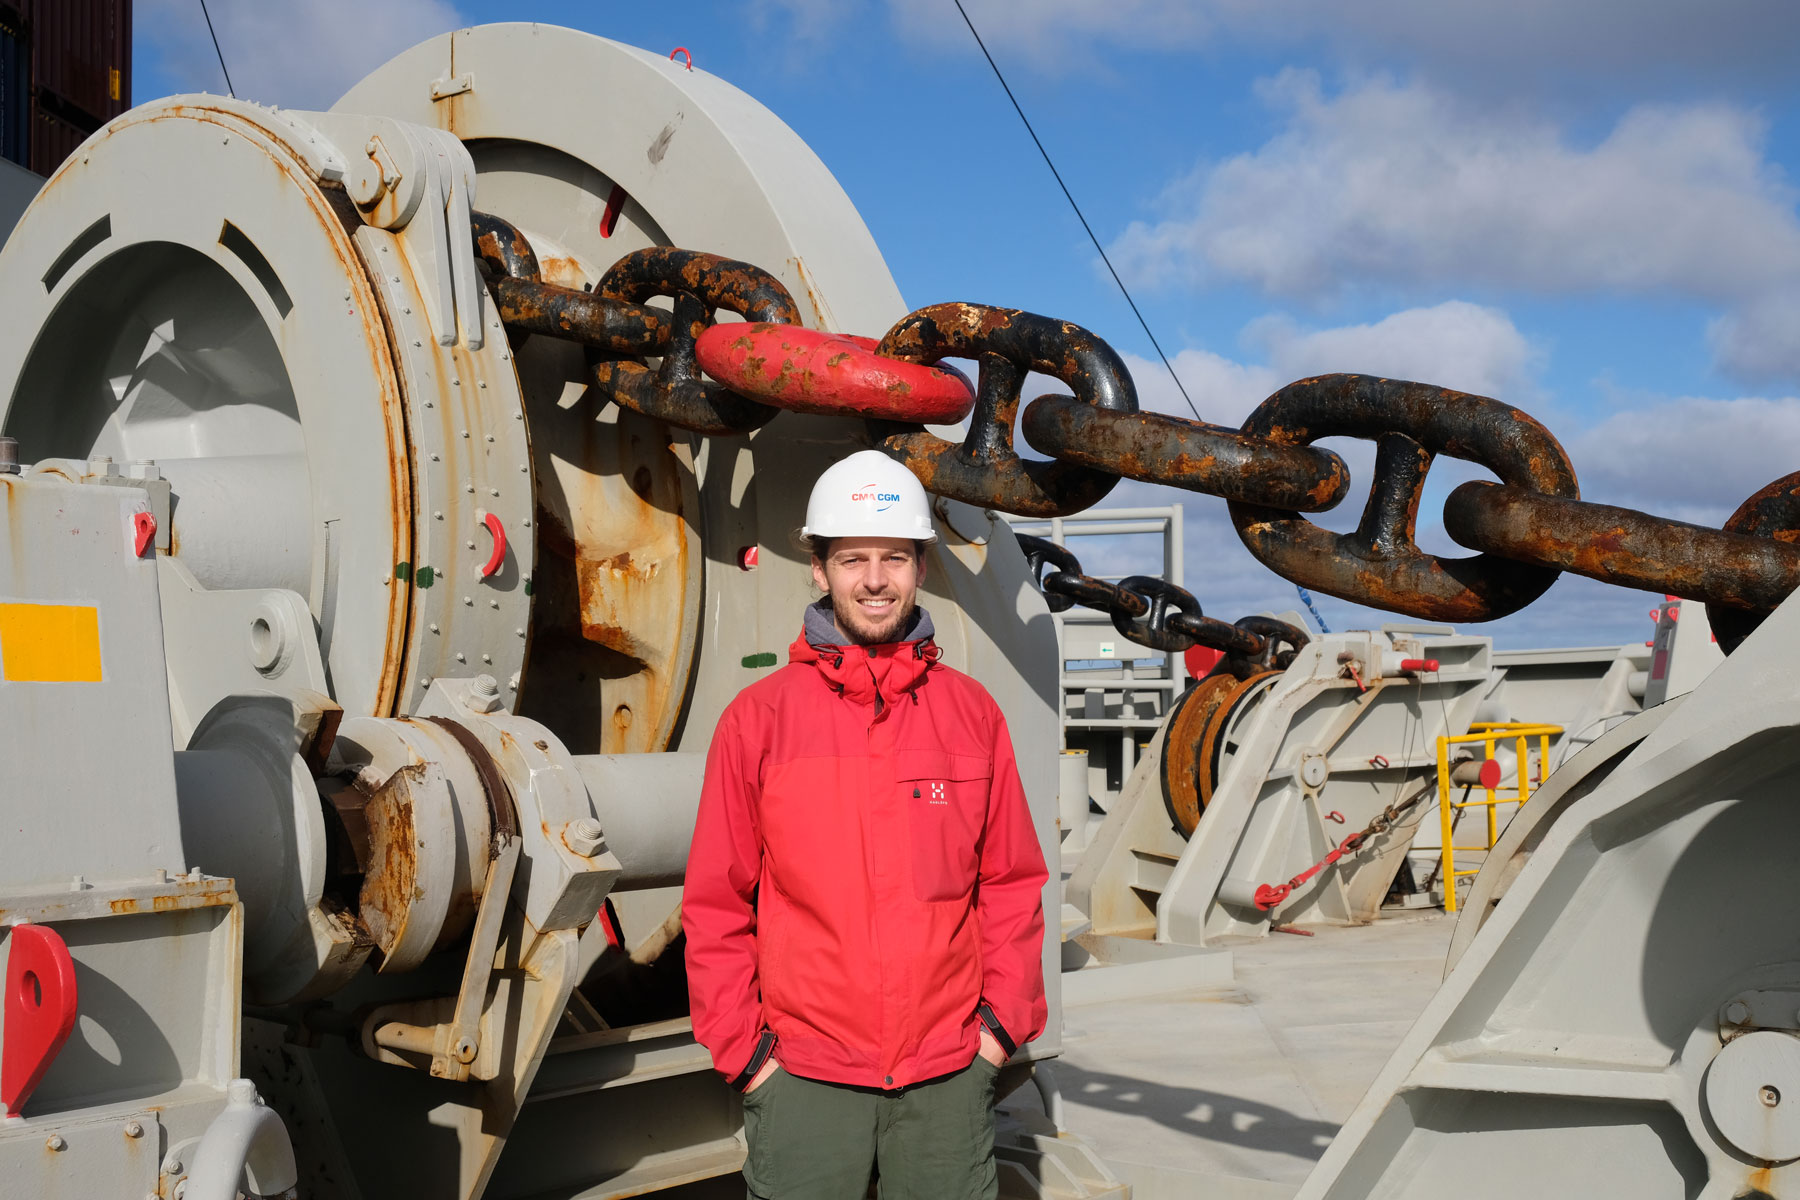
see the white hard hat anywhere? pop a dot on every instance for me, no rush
(868, 495)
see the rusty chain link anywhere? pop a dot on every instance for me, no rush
(1526, 529)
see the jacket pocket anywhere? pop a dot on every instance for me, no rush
(946, 797)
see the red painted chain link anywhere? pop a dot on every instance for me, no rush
(833, 374)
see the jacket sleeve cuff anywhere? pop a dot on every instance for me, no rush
(765, 1046)
(984, 1012)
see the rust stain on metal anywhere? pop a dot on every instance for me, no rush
(391, 882)
(1380, 563)
(1181, 750)
(159, 903)
(1207, 759)
(698, 284)
(1622, 546)
(986, 469)
(1159, 448)
(1772, 511)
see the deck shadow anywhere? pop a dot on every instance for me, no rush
(1198, 1112)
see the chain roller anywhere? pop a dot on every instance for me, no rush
(1525, 529)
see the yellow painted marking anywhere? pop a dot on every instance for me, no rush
(49, 643)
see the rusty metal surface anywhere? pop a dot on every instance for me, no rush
(985, 469)
(503, 248)
(618, 579)
(1181, 751)
(1772, 511)
(528, 307)
(806, 370)
(1274, 635)
(1623, 546)
(698, 284)
(391, 882)
(1380, 564)
(1158, 448)
(1206, 758)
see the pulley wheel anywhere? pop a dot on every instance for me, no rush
(1191, 751)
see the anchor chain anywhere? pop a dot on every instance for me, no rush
(1155, 613)
(726, 380)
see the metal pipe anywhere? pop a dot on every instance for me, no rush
(1099, 528)
(242, 521)
(247, 1136)
(1073, 523)
(646, 804)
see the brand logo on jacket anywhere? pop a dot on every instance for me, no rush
(937, 794)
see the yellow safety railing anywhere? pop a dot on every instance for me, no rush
(1489, 734)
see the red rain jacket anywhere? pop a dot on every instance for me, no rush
(865, 884)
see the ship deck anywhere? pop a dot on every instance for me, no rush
(1236, 1091)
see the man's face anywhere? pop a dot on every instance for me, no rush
(873, 584)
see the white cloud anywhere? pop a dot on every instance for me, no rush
(1691, 458)
(1504, 45)
(1455, 344)
(1392, 184)
(1401, 188)
(1757, 342)
(298, 54)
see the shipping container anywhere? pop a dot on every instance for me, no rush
(67, 68)
(15, 86)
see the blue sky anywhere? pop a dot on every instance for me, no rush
(1586, 208)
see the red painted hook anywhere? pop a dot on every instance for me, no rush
(143, 532)
(683, 51)
(492, 521)
(40, 1011)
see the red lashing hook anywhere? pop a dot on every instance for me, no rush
(40, 1011)
(143, 532)
(683, 51)
(492, 521)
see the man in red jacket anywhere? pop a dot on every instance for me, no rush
(864, 897)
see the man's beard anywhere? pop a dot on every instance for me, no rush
(855, 624)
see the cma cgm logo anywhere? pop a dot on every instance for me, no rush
(882, 500)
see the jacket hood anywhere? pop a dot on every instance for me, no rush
(865, 673)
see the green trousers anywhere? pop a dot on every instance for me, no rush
(823, 1141)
